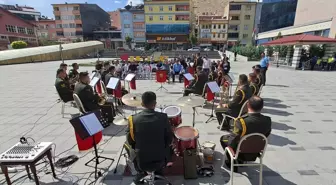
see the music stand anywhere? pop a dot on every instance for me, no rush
(130, 77)
(113, 84)
(86, 126)
(214, 88)
(187, 78)
(94, 81)
(161, 77)
(93, 74)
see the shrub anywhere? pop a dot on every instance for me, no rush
(19, 44)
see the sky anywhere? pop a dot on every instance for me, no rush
(44, 6)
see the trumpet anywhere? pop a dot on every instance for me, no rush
(102, 100)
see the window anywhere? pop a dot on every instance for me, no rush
(21, 30)
(11, 28)
(234, 27)
(72, 25)
(214, 26)
(223, 35)
(161, 18)
(245, 36)
(150, 8)
(56, 9)
(203, 26)
(170, 8)
(76, 8)
(59, 33)
(235, 18)
(219, 26)
(127, 25)
(77, 17)
(150, 18)
(161, 8)
(168, 28)
(65, 25)
(58, 25)
(247, 17)
(235, 7)
(78, 25)
(214, 35)
(3, 37)
(52, 26)
(245, 27)
(170, 18)
(218, 35)
(248, 7)
(30, 31)
(58, 17)
(233, 35)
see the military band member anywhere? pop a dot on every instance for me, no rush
(197, 85)
(73, 73)
(109, 75)
(212, 75)
(242, 94)
(85, 93)
(253, 122)
(105, 71)
(253, 85)
(62, 87)
(256, 71)
(150, 135)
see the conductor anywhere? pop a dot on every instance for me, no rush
(150, 135)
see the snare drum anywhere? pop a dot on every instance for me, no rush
(158, 110)
(174, 115)
(186, 138)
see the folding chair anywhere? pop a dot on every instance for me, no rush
(243, 109)
(63, 103)
(261, 87)
(79, 104)
(250, 144)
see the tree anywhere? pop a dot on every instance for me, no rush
(128, 41)
(279, 36)
(192, 39)
(19, 44)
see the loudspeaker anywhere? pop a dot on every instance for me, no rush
(189, 163)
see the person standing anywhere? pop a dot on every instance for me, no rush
(264, 62)
(206, 65)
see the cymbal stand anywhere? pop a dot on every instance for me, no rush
(161, 87)
(211, 116)
(194, 111)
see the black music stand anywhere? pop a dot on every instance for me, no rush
(112, 84)
(86, 126)
(214, 88)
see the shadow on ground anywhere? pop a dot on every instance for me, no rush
(277, 140)
(281, 126)
(276, 112)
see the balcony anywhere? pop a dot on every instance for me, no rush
(235, 12)
(182, 8)
(182, 17)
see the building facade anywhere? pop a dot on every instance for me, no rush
(46, 29)
(78, 21)
(212, 31)
(115, 19)
(112, 39)
(126, 25)
(167, 23)
(139, 28)
(24, 12)
(241, 17)
(13, 28)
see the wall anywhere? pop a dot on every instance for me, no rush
(115, 19)
(126, 19)
(139, 27)
(247, 26)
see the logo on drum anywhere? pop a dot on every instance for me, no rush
(161, 75)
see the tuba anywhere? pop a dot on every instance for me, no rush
(225, 94)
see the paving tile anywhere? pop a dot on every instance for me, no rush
(326, 148)
(315, 132)
(328, 120)
(306, 120)
(307, 172)
(294, 148)
(290, 132)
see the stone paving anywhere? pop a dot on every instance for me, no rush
(301, 147)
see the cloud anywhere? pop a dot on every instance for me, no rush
(135, 2)
(117, 2)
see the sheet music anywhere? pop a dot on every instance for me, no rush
(188, 76)
(112, 84)
(92, 75)
(94, 81)
(213, 86)
(130, 77)
(91, 123)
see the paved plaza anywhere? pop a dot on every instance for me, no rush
(301, 150)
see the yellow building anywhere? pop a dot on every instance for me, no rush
(241, 17)
(167, 22)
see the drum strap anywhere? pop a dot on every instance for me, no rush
(131, 127)
(243, 94)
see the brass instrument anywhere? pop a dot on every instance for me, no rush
(225, 94)
(102, 100)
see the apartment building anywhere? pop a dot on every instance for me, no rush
(46, 29)
(13, 28)
(167, 23)
(115, 19)
(24, 12)
(212, 30)
(241, 15)
(78, 21)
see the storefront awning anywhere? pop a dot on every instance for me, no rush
(302, 39)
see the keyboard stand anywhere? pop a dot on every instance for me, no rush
(4, 167)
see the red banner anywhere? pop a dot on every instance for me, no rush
(161, 76)
(124, 57)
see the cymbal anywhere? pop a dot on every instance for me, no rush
(122, 121)
(132, 100)
(190, 101)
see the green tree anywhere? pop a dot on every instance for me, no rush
(128, 41)
(279, 36)
(19, 44)
(192, 39)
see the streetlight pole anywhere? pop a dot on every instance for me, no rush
(61, 52)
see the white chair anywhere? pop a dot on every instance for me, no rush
(261, 87)
(250, 144)
(243, 109)
(79, 104)
(63, 103)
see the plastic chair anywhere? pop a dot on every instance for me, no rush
(242, 110)
(250, 144)
(261, 87)
(63, 103)
(79, 104)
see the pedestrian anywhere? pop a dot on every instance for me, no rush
(264, 62)
(206, 65)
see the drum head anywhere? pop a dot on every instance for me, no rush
(186, 133)
(172, 111)
(158, 110)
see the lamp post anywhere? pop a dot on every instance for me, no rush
(61, 52)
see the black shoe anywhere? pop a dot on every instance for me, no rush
(228, 164)
(138, 177)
